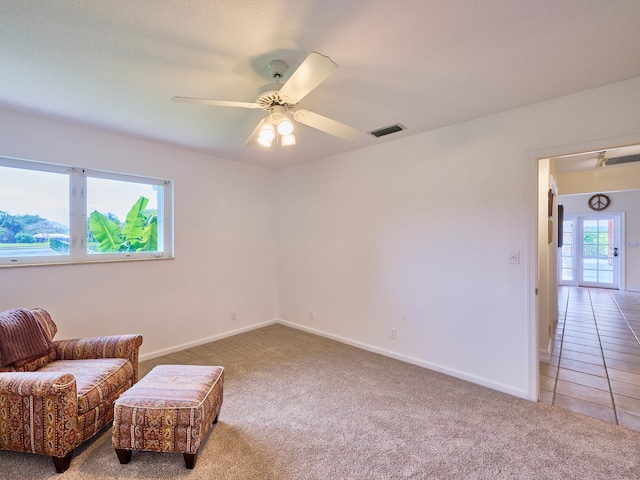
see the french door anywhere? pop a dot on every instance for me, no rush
(590, 253)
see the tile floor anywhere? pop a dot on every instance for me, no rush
(595, 365)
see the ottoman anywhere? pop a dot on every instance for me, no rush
(169, 410)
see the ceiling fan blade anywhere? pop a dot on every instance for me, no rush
(327, 125)
(253, 138)
(315, 69)
(216, 103)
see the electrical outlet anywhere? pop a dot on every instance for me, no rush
(233, 315)
(514, 257)
(392, 333)
(311, 315)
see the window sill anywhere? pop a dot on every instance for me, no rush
(84, 262)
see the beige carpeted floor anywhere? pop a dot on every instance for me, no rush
(298, 406)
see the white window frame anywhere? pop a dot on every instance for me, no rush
(78, 217)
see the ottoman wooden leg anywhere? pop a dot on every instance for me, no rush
(123, 455)
(190, 460)
(62, 463)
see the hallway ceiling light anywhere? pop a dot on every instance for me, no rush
(602, 162)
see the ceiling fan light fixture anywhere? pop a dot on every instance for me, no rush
(267, 133)
(285, 127)
(287, 140)
(281, 120)
(264, 142)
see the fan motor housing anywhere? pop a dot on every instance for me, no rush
(268, 96)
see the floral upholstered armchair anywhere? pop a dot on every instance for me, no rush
(54, 395)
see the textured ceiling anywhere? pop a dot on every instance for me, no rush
(423, 63)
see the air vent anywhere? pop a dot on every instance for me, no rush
(381, 132)
(621, 160)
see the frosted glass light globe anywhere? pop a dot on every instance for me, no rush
(267, 132)
(285, 127)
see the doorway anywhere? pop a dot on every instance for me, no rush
(592, 242)
(591, 250)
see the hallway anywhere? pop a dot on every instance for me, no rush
(595, 366)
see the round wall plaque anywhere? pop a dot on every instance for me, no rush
(599, 202)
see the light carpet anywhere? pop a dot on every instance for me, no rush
(299, 406)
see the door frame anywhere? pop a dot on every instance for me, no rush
(531, 192)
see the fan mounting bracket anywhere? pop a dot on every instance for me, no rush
(277, 68)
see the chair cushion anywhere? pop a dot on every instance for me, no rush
(96, 380)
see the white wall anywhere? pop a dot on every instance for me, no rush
(608, 179)
(629, 203)
(416, 234)
(413, 234)
(224, 244)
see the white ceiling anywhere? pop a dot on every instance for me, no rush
(424, 63)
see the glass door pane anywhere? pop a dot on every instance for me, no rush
(599, 263)
(567, 260)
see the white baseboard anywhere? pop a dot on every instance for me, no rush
(364, 346)
(544, 354)
(412, 360)
(632, 289)
(202, 341)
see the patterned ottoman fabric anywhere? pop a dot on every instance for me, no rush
(169, 410)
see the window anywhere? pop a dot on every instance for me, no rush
(58, 214)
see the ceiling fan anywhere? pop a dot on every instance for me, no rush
(281, 101)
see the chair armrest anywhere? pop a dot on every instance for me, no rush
(113, 346)
(36, 384)
(39, 403)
